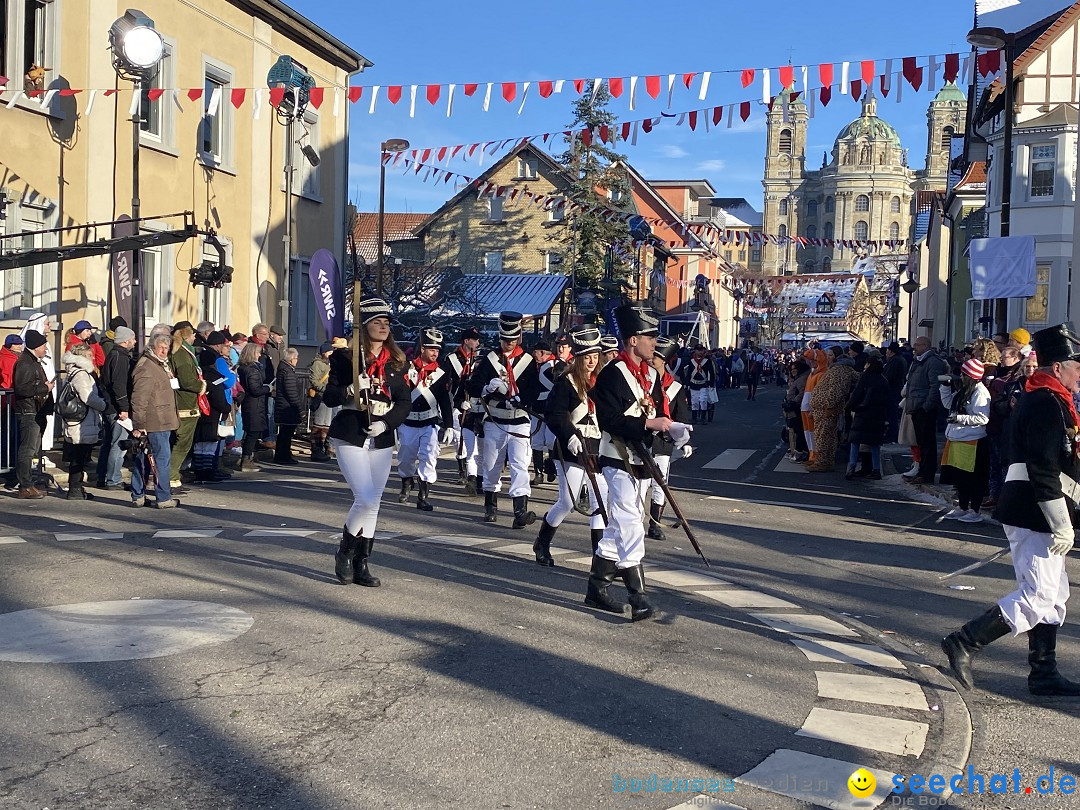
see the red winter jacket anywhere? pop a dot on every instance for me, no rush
(99, 353)
(7, 366)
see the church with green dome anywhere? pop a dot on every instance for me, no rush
(864, 190)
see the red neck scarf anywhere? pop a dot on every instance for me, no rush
(640, 371)
(466, 362)
(508, 361)
(1040, 379)
(423, 369)
(377, 369)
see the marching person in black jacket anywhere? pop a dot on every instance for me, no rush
(664, 446)
(571, 418)
(1037, 508)
(288, 403)
(207, 443)
(630, 409)
(374, 402)
(431, 414)
(116, 386)
(700, 379)
(507, 382)
(33, 405)
(468, 412)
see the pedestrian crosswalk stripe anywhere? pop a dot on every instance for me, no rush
(454, 540)
(165, 534)
(786, 465)
(819, 781)
(64, 537)
(11, 540)
(844, 652)
(746, 599)
(906, 738)
(682, 579)
(282, 532)
(526, 550)
(807, 624)
(730, 460)
(879, 689)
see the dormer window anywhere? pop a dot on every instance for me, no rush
(826, 305)
(526, 168)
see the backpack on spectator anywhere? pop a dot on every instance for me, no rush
(69, 406)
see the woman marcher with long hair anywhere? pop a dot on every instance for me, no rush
(966, 460)
(374, 403)
(80, 438)
(571, 417)
(253, 407)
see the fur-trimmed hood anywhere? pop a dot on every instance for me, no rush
(78, 361)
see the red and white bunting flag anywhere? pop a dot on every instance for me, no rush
(470, 88)
(747, 77)
(236, 95)
(856, 89)
(393, 93)
(869, 71)
(355, 93)
(524, 95)
(374, 98)
(787, 76)
(845, 68)
(625, 133)
(766, 86)
(432, 93)
(693, 120)
(704, 90)
(931, 74)
(615, 87)
(952, 66)
(633, 92)
(487, 97)
(687, 79)
(744, 110)
(825, 74)
(579, 86)
(412, 101)
(509, 91)
(670, 88)
(450, 99)
(196, 93)
(545, 88)
(717, 115)
(913, 73)
(652, 86)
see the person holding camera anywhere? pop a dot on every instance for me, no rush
(966, 461)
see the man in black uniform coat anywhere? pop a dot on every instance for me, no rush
(1037, 508)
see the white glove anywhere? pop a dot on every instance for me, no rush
(680, 433)
(363, 383)
(573, 444)
(376, 429)
(449, 436)
(1059, 516)
(687, 451)
(496, 386)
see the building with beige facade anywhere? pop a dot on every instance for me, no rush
(65, 164)
(863, 190)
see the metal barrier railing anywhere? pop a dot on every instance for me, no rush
(8, 438)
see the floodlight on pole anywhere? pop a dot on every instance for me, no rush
(137, 47)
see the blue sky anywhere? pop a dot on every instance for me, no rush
(425, 41)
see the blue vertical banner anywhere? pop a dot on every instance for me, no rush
(325, 278)
(122, 280)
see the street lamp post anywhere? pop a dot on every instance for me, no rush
(137, 50)
(392, 145)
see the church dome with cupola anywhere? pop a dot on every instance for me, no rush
(869, 127)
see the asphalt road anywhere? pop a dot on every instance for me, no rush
(475, 678)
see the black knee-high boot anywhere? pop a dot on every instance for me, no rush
(538, 466)
(656, 511)
(1042, 656)
(361, 574)
(542, 544)
(422, 502)
(602, 575)
(522, 516)
(406, 487)
(491, 506)
(969, 639)
(634, 578)
(596, 535)
(343, 559)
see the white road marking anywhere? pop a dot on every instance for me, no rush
(707, 802)
(902, 737)
(879, 689)
(807, 624)
(282, 532)
(682, 579)
(11, 540)
(786, 465)
(746, 599)
(815, 780)
(526, 550)
(843, 652)
(454, 540)
(167, 533)
(730, 460)
(64, 537)
(776, 503)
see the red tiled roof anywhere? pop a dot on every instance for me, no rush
(975, 177)
(395, 226)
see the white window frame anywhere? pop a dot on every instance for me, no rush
(551, 266)
(527, 167)
(1033, 161)
(162, 111)
(215, 304)
(30, 289)
(493, 262)
(159, 301)
(218, 73)
(305, 326)
(15, 64)
(495, 208)
(556, 210)
(615, 195)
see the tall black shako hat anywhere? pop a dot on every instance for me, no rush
(609, 343)
(666, 348)
(585, 340)
(371, 308)
(633, 319)
(510, 325)
(431, 339)
(1056, 344)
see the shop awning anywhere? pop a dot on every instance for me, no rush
(485, 296)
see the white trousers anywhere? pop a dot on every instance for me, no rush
(541, 437)
(1042, 582)
(699, 400)
(365, 471)
(470, 448)
(663, 463)
(624, 536)
(571, 479)
(418, 451)
(499, 448)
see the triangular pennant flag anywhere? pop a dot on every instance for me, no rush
(912, 72)
(196, 93)
(374, 99)
(869, 70)
(433, 92)
(524, 95)
(652, 86)
(647, 125)
(744, 110)
(825, 73)
(393, 93)
(455, 150)
(355, 93)
(747, 77)
(687, 79)
(154, 93)
(670, 88)
(509, 91)
(952, 66)
(633, 92)
(441, 154)
(717, 115)
(487, 97)
(625, 130)
(215, 101)
(579, 86)
(825, 95)
(545, 89)
(615, 87)
(787, 76)
(425, 155)
(596, 87)
(604, 133)
(693, 120)
(470, 89)
(586, 137)
(704, 91)
(412, 100)
(256, 107)
(883, 82)
(237, 95)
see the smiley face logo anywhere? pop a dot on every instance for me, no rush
(861, 783)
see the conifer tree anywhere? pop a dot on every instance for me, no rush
(598, 178)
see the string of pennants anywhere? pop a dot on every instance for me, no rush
(853, 78)
(707, 233)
